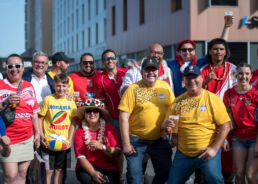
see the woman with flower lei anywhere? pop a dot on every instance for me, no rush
(97, 146)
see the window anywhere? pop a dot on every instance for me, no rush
(105, 4)
(89, 37)
(223, 2)
(141, 11)
(125, 15)
(72, 45)
(97, 7)
(72, 22)
(105, 29)
(77, 18)
(176, 5)
(82, 14)
(89, 9)
(83, 44)
(97, 33)
(113, 20)
(77, 42)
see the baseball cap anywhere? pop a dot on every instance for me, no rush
(182, 42)
(150, 62)
(60, 56)
(193, 69)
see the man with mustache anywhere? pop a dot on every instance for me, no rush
(84, 80)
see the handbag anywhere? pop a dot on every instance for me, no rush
(8, 113)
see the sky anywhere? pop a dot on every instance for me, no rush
(12, 35)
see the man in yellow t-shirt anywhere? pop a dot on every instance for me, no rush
(143, 108)
(203, 126)
(60, 65)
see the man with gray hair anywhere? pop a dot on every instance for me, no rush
(38, 76)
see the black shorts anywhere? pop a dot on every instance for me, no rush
(57, 159)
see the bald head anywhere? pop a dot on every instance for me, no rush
(156, 51)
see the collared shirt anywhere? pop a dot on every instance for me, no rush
(42, 89)
(108, 88)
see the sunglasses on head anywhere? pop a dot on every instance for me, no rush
(187, 49)
(89, 111)
(88, 62)
(18, 66)
(108, 58)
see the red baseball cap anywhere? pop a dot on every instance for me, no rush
(182, 42)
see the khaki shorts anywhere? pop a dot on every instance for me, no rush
(21, 152)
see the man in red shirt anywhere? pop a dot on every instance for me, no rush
(109, 82)
(83, 81)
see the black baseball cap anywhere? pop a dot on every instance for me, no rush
(150, 62)
(193, 69)
(60, 56)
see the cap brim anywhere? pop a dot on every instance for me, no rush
(192, 73)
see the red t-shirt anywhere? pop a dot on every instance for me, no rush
(97, 158)
(22, 127)
(85, 85)
(243, 107)
(108, 88)
(254, 80)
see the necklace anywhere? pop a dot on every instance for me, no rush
(224, 74)
(87, 133)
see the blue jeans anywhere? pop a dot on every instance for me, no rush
(183, 166)
(160, 153)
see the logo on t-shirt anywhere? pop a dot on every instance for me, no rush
(59, 117)
(161, 96)
(248, 102)
(203, 108)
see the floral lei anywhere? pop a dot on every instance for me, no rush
(87, 133)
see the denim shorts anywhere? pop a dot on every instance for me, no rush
(243, 143)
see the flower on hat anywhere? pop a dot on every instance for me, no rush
(94, 102)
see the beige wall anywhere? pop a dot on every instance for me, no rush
(207, 22)
(160, 26)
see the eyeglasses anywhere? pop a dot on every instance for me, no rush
(108, 58)
(187, 49)
(88, 62)
(17, 66)
(89, 111)
(156, 52)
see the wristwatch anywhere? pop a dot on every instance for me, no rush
(104, 147)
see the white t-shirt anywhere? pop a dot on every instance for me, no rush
(41, 87)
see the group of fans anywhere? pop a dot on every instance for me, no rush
(127, 111)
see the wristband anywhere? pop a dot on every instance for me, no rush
(225, 141)
(104, 147)
(37, 132)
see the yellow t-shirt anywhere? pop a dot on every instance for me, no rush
(57, 115)
(199, 120)
(52, 75)
(148, 108)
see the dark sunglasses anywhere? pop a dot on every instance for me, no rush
(88, 62)
(89, 111)
(187, 49)
(108, 58)
(18, 66)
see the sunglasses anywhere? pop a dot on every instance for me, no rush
(89, 111)
(88, 62)
(108, 58)
(17, 66)
(187, 49)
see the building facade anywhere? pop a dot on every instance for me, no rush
(79, 26)
(38, 25)
(134, 25)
